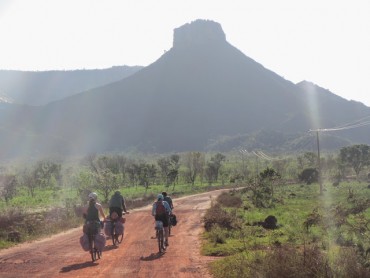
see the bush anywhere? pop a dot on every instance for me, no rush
(217, 216)
(309, 175)
(347, 265)
(229, 200)
(217, 235)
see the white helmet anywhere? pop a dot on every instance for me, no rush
(160, 197)
(93, 195)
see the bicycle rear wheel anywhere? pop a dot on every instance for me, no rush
(93, 250)
(119, 238)
(113, 234)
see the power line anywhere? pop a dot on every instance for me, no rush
(355, 124)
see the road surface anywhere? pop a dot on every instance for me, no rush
(137, 256)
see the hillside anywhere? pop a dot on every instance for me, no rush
(199, 91)
(42, 87)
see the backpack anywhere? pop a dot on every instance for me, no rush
(173, 220)
(160, 209)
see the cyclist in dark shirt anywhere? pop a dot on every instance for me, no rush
(117, 204)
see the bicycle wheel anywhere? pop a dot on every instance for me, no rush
(119, 238)
(92, 248)
(113, 234)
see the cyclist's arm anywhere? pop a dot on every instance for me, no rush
(153, 209)
(168, 208)
(100, 208)
(124, 205)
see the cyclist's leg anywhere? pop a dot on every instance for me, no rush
(166, 231)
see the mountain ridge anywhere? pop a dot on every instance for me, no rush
(200, 90)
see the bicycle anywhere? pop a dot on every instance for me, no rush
(160, 236)
(116, 238)
(92, 232)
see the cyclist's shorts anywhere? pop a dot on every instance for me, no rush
(115, 209)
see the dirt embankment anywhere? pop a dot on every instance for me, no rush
(137, 256)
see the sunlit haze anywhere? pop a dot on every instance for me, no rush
(325, 42)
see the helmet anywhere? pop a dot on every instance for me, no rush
(93, 195)
(160, 197)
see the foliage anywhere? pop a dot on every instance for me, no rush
(309, 175)
(194, 163)
(229, 200)
(169, 168)
(356, 156)
(216, 215)
(213, 167)
(8, 186)
(106, 183)
(314, 233)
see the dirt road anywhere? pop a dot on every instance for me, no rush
(62, 255)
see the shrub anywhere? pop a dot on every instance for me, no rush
(309, 175)
(346, 264)
(217, 216)
(292, 262)
(217, 235)
(229, 200)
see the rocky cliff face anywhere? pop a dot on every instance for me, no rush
(198, 32)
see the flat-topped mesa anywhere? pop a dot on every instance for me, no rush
(197, 33)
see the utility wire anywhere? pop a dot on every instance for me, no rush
(355, 124)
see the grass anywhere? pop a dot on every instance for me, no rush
(310, 226)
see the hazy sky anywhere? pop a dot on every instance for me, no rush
(326, 42)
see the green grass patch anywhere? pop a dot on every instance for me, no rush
(313, 232)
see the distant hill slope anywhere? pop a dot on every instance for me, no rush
(42, 87)
(199, 91)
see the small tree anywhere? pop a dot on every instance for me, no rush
(213, 167)
(309, 175)
(8, 185)
(106, 183)
(270, 176)
(356, 156)
(194, 161)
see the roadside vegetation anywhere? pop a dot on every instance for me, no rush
(278, 227)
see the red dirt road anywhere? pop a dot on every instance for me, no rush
(137, 256)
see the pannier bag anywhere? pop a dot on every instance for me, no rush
(173, 220)
(158, 225)
(84, 241)
(119, 228)
(108, 228)
(100, 241)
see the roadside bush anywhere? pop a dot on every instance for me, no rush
(218, 216)
(292, 262)
(347, 264)
(229, 200)
(217, 235)
(309, 175)
(235, 266)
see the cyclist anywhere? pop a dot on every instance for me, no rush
(93, 209)
(117, 204)
(167, 199)
(161, 210)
